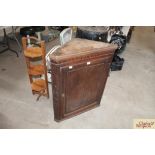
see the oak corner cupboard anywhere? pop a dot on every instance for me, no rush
(79, 72)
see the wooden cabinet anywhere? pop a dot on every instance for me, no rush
(79, 72)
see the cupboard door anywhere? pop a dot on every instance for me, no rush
(83, 86)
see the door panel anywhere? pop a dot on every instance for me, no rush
(83, 86)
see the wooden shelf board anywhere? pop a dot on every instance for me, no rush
(33, 52)
(38, 85)
(36, 70)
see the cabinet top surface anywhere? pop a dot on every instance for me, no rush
(79, 47)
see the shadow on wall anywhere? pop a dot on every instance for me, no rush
(4, 122)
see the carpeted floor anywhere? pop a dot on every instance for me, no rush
(129, 93)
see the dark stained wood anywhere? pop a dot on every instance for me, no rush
(79, 72)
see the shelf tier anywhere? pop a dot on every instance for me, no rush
(36, 70)
(33, 52)
(38, 85)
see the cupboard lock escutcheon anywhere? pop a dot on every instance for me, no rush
(63, 95)
(70, 67)
(88, 63)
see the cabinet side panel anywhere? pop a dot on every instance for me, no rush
(55, 69)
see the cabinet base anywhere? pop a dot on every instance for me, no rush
(72, 115)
